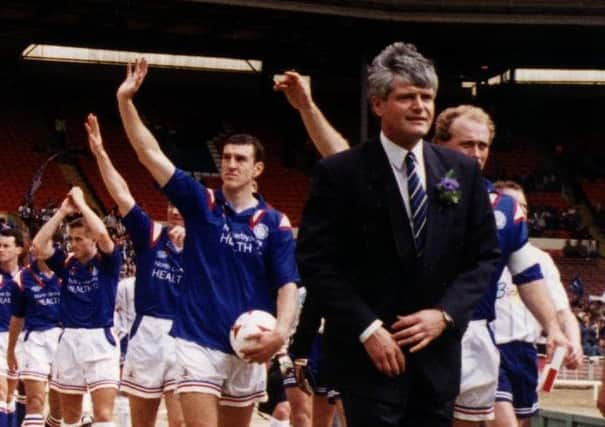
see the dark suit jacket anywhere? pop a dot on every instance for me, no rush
(356, 256)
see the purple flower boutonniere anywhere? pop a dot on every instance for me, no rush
(449, 189)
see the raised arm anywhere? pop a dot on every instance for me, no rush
(327, 140)
(142, 140)
(94, 223)
(115, 184)
(43, 240)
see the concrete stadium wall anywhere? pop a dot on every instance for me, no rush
(560, 419)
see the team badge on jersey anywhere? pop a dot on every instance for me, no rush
(261, 231)
(162, 254)
(500, 219)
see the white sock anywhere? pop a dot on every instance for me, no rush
(33, 420)
(52, 421)
(64, 424)
(103, 424)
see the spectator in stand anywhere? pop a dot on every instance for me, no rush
(588, 331)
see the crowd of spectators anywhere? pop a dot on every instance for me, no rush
(33, 217)
(592, 327)
(549, 222)
(588, 248)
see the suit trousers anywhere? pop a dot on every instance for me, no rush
(418, 409)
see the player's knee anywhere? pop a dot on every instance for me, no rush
(301, 418)
(282, 411)
(103, 414)
(35, 403)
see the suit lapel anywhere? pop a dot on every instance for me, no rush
(383, 182)
(437, 215)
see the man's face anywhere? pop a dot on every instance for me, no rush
(82, 245)
(173, 216)
(9, 251)
(519, 197)
(470, 137)
(407, 113)
(238, 167)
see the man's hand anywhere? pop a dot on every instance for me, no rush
(555, 339)
(263, 345)
(135, 74)
(575, 357)
(177, 235)
(68, 207)
(418, 329)
(385, 353)
(94, 134)
(296, 89)
(77, 196)
(11, 360)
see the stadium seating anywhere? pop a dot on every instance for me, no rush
(594, 191)
(20, 132)
(590, 270)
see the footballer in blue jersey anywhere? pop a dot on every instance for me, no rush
(516, 332)
(12, 254)
(238, 256)
(36, 298)
(87, 356)
(149, 370)
(470, 130)
(35, 302)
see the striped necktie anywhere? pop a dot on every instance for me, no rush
(418, 203)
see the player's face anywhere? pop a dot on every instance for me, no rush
(407, 113)
(470, 137)
(9, 251)
(238, 166)
(82, 245)
(519, 196)
(173, 216)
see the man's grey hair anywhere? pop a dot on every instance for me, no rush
(404, 61)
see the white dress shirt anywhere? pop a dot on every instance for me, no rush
(396, 156)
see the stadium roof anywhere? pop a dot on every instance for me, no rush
(470, 39)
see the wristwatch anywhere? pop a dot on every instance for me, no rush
(449, 322)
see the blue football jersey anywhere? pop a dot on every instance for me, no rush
(7, 284)
(88, 293)
(511, 226)
(233, 261)
(159, 267)
(36, 297)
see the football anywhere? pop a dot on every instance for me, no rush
(248, 323)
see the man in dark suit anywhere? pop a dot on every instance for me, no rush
(397, 257)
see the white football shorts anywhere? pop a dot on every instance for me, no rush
(150, 366)
(37, 353)
(479, 379)
(204, 370)
(86, 360)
